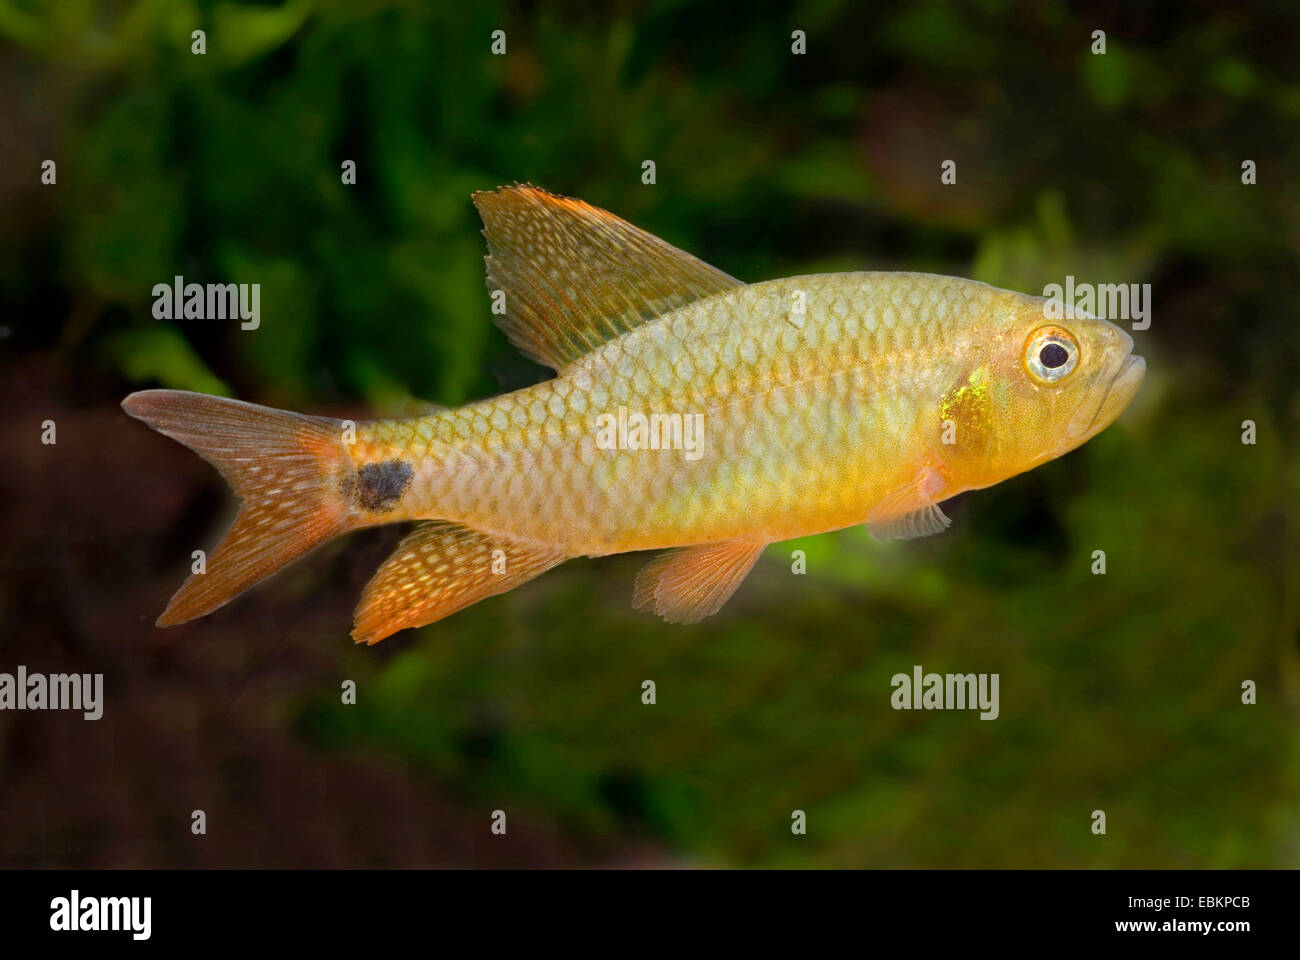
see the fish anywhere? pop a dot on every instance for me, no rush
(690, 413)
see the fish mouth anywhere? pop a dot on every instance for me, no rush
(1107, 400)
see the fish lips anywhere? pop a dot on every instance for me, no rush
(1121, 374)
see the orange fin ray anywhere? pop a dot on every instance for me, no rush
(688, 584)
(438, 569)
(575, 276)
(284, 467)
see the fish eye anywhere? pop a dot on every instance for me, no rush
(1051, 355)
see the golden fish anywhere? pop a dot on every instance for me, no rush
(689, 410)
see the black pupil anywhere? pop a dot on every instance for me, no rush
(1053, 355)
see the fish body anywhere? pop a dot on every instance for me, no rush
(689, 411)
(806, 424)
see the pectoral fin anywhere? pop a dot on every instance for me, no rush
(691, 583)
(911, 511)
(441, 568)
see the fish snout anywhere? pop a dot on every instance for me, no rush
(1116, 375)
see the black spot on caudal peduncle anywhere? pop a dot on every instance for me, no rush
(380, 485)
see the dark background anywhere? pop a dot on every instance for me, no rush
(1120, 693)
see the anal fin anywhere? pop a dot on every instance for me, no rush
(688, 584)
(438, 569)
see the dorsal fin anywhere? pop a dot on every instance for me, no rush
(575, 276)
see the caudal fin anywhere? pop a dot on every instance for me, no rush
(285, 467)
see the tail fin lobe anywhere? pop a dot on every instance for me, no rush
(285, 468)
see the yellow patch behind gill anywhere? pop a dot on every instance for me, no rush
(966, 413)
